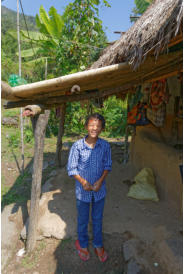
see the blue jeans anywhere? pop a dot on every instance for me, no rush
(83, 209)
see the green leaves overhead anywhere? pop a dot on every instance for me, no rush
(28, 52)
(141, 5)
(51, 25)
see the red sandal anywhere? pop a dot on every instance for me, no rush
(82, 252)
(101, 255)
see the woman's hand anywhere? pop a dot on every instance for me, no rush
(86, 185)
(97, 185)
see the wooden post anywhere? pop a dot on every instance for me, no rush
(39, 123)
(60, 134)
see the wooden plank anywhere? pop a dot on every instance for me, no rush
(163, 76)
(63, 99)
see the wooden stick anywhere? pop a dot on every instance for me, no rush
(39, 123)
(60, 134)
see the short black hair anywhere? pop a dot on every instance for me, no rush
(95, 116)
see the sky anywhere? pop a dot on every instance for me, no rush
(116, 18)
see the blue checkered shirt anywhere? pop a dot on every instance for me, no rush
(90, 164)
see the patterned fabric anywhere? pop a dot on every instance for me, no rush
(89, 164)
(156, 112)
(157, 117)
(137, 116)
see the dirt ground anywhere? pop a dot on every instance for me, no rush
(155, 226)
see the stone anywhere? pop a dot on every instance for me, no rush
(56, 215)
(9, 234)
(47, 186)
(10, 121)
(129, 249)
(133, 267)
(127, 252)
(53, 173)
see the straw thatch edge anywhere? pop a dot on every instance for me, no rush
(152, 31)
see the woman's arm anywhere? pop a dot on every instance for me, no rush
(97, 185)
(85, 184)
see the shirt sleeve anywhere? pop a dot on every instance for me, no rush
(73, 161)
(107, 158)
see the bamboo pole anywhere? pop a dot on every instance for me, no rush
(53, 102)
(137, 78)
(39, 123)
(7, 92)
(95, 78)
(65, 82)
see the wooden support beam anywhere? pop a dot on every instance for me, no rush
(7, 92)
(65, 83)
(60, 134)
(32, 110)
(39, 123)
(163, 76)
(100, 78)
(52, 102)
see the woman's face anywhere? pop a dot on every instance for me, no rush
(94, 128)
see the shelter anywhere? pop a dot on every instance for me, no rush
(159, 144)
(150, 50)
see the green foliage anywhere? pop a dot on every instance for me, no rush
(12, 195)
(83, 37)
(75, 119)
(114, 111)
(9, 46)
(28, 134)
(115, 114)
(14, 139)
(52, 126)
(51, 25)
(140, 7)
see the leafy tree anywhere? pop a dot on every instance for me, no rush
(141, 6)
(83, 37)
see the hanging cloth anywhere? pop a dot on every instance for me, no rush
(156, 111)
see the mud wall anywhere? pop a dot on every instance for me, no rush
(147, 150)
(161, 150)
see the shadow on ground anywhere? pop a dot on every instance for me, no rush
(69, 262)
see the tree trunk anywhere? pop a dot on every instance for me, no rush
(60, 134)
(39, 123)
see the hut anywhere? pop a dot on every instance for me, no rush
(149, 51)
(158, 144)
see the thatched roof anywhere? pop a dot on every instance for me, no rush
(153, 30)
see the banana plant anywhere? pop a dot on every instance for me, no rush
(46, 41)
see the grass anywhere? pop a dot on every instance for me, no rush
(19, 192)
(30, 260)
(10, 112)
